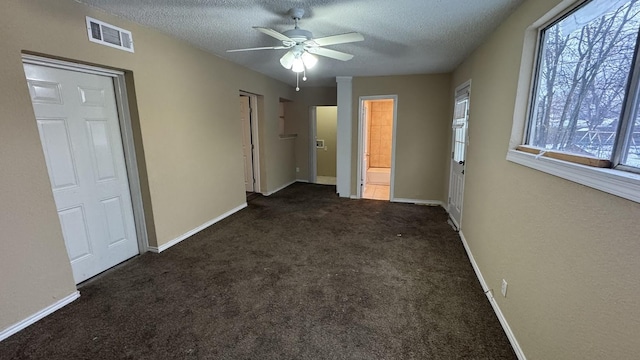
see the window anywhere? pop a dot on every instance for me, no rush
(586, 94)
(460, 116)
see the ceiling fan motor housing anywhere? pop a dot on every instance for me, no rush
(298, 35)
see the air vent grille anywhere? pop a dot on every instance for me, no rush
(109, 35)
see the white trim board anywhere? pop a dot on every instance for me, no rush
(280, 188)
(186, 235)
(616, 182)
(418, 202)
(39, 315)
(496, 308)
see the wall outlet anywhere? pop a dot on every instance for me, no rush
(503, 289)
(297, 169)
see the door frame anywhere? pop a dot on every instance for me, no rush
(361, 142)
(466, 87)
(255, 139)
(126, 132)
(313, 134)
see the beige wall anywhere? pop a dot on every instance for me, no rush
(298, 121)
(327, 124)
(570, 253)
(421, 133)
(189, 130)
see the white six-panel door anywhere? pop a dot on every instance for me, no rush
(77, 118)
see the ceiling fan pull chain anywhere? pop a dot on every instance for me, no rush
(304, 74)
(297, 82)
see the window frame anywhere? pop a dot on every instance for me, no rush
(620, 180)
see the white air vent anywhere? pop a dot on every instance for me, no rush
(106, 34)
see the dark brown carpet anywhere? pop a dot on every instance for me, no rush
(302, 274)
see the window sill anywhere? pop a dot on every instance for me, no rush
(616, 182)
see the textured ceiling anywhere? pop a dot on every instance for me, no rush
(401, 36)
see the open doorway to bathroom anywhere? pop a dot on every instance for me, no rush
(376, 147)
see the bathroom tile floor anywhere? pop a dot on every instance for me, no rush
(376, 192)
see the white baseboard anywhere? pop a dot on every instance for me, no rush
(278, 189)
(489, 292)
(39, 315)
(184, 236)
(419, 202)
(302, 180)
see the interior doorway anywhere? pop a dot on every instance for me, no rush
(323, 145)
(250, 154)
(376, 147)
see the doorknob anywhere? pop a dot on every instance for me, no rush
(461, 162)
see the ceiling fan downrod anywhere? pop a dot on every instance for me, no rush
(296, 14)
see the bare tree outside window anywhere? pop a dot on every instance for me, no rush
(584, 70)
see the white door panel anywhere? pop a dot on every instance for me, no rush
(101, 149)
(247, 146)
(80, 134)
(45, 92)
(114, 216)
(76, 236)
(56, 144)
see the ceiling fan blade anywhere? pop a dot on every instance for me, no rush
(260, 48)
(274, 34)
(336, 39)
(338, 55)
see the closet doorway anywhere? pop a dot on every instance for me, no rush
(323, 146)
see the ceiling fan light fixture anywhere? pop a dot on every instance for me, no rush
(287, 60)
(298, 65)
(303, 48)
(309, 60)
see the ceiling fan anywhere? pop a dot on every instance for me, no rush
(302, 46)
